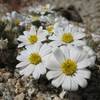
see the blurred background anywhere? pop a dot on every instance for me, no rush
(88, 9)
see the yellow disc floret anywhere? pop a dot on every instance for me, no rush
(69, 67)
(67, 37)
(17, 21)
(35, 17)
(45, 8)
(34, 58)
(32, 39)
(50, 29)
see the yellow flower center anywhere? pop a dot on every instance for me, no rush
(45, 8)
(35, 17)
(34, 58)
(50, 29)
(69, 67)
(17, 21)
(67, 38)
(32, 39)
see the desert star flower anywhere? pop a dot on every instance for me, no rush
(68, 68)
(14, 17)
(32, 36)
(50, 29)
(33, 60)
(43, 9)
(67, 35)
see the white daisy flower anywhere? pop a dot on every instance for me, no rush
(32, 36)
(69, 34)
(46, 8)
(28, 20)
(41, 9)
(43, 18)
(67, 67)
(33, 60)
(14, 17)
(49, 19)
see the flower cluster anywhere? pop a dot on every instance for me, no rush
(59, 50)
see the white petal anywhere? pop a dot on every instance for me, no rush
(65, 51)
(74, 29)
(58, 30)
(67, 83)
(58, 81)
(20, 45)
(22, 64)
(59, 55)
(24, 53)
(84, 73)
(74, 53)
(38, 46)
(36, 73)
(21, 58)
(53, 74)
(80, 80)
(40, 30)
(22, 38)
(45, 50)
(28, 70)
(92, 60)
(79, 36)
(41, 68)
(52, 63)
(32, 30)
(79, 42)
(68, 29)
(88, 50)
(42, 36)
(53, 37)
(26, 33)
(83, 64)
(34, 48)
(74, 85)
(83, 55)
(55, 43)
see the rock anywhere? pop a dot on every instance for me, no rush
(7, 75)
(74, 96)
(56, 98)
(62, 94)
(11, 81)
(7, 95)
(31, 91)
(40, 96)
(20, 97)
(2, 86)
(19, 87)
